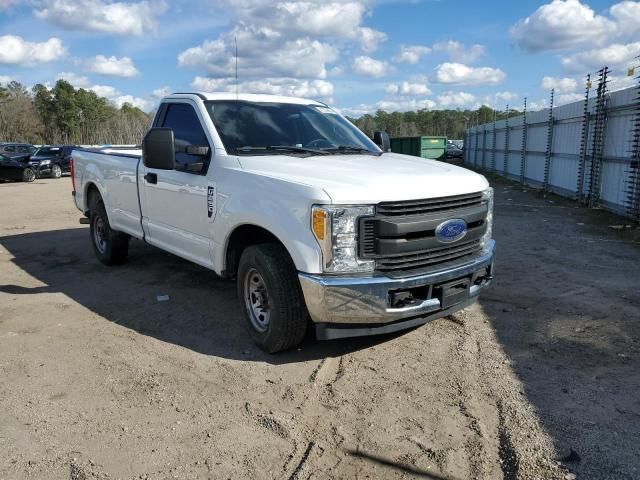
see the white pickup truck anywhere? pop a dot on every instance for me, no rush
(318, 224)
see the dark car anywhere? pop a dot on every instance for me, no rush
(52, 160)
(453, 151)
(21, 150)
(16, 168)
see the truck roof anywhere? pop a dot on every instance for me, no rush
(250, 97)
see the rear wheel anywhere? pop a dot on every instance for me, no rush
(271, 297)
(28, 175)
(111, 247)
(56, 171)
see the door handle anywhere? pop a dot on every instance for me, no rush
(151, 177)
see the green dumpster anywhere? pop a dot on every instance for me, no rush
(425, 147)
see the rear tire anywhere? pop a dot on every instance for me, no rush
(271, 298)
(28, 175)
(56, 171)
(111, 247)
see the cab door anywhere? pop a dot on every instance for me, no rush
(174, 202)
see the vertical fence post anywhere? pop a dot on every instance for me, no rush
(548, 153)
(597, 148)
(584, 141)
(475, 156)
(493, 143)
(484, 145)
(632, 189)
(523, 154)
(505, 166)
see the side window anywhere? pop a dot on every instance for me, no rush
(188, 132)
(10, 148)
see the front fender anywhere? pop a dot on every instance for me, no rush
(280, 207)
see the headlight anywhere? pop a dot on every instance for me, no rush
(487, 196)
(45, 162)
(336, 229)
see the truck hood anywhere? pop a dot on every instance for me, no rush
(362, 179)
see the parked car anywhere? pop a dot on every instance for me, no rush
(453, 151)
(17, 149)
(16, 168)
(52, 160)
(317, 224)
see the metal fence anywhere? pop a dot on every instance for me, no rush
(588, 150)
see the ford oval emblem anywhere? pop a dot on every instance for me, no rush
(451, 230)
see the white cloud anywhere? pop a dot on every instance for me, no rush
(369, 39)
(162, 92)
(272, 86)
(506, 96)
(561, 24)
(106, 91)
(371, 67)
(407, 89)
(15, 50)
(118, 18)
(460, 74)
(411, 54)
(113, 66)
(499, 99)
(119, 99)
(78, 81)
(142, 103)
(627, 17)
(288, 39)
(458, 52)
(561, 85)
(455, 99)
(261, 53)
(613, 55)
(403, 105)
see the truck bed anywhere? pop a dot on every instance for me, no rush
(114, 172)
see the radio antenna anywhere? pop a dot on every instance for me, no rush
(235, 39)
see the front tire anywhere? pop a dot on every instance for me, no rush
(271, 298)
(111, 247)
(28, 175)
(56, 171)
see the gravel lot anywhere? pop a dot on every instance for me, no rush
(539, 380)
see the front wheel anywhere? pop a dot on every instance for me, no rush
(56, 171)
(271, 298)
(28, 175)
(111, 247)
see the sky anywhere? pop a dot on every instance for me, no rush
(357, 55)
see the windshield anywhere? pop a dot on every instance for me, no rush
(247, 127)
(48, 151)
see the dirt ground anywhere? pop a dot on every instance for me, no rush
(539, 380)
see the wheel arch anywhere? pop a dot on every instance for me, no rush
(243, 236)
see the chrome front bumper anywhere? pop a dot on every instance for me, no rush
(368, 300)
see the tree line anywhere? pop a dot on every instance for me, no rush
(447, 123)
(67, 115)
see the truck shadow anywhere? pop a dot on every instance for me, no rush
(565, 307)
(201, 313)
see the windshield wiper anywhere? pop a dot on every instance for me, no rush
(351, 149)
(281, 148)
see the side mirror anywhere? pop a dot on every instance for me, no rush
(382, 140)
(159, 149)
